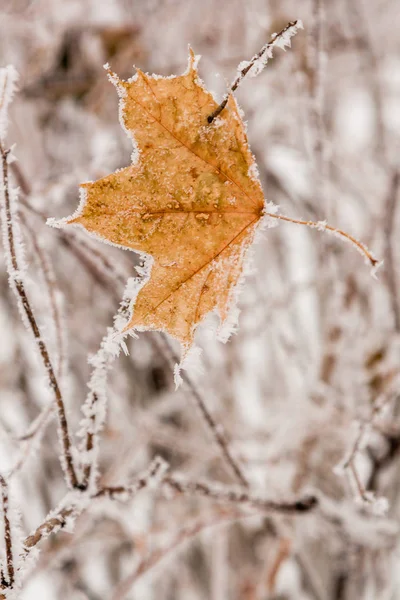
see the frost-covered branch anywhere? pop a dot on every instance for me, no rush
(154, 475)
(254, 66)
(94, 408)
(157, 472)
(237, 496)
(50, 525)
(8, 80)
(72, 508)
(48, 276)
(17, 285)
(349, 466)
(8, 580)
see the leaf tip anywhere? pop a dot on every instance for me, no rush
(113, 77)
(190, 361)
(193, 60)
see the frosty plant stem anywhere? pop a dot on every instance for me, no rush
(94, 408)
(323, 226)
(280, 39)
(217, 433)
(254, 67)
(18, 287)
(238, 496)
(7, 579)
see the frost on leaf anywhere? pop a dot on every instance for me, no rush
(175, 202)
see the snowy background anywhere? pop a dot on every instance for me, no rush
(306, 391)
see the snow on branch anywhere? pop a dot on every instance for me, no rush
(8, 79)
(74, 504)
(254, 66)
(152, 477)
(94, 407)
(239, 496)
(15, 266)
(7, 577)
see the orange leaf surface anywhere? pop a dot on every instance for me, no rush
(190, 200)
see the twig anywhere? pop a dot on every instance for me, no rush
(237, 496)
(317, 90)
(155, 472)
(19, 288)
(51, 524)
(72, 241)
(7, 536)
(389, 223)
(183, 536)
(57, 521)
(94, 407)
(284, 549)
(349, 465)
(323, 226)
(215, 429)
(217, 432)
(187, 533)
(85, 253)
(48, 276)
(281, 39)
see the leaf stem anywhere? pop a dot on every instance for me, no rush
(322, 226)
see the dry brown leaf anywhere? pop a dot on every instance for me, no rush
(190, 200)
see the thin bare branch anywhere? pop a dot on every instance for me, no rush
(7, 534)
(391, 272)
(48, 276)
(155, 472)
(55, 522)
(281, 39)
(19, 288)
(215, 429)
(237, 496)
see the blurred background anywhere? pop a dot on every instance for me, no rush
(316, 358)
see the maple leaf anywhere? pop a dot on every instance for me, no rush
(190, 203)
(190, 200)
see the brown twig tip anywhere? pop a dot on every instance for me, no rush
(306, 504)
(259, 60)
